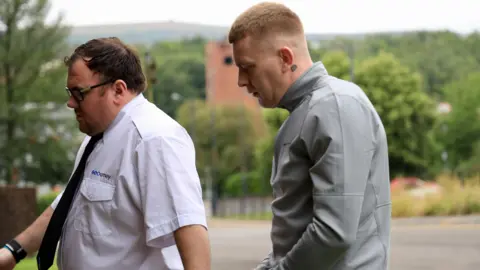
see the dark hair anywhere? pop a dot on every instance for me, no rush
(113, 60)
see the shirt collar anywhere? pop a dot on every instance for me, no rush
(303, 86)
(138, 100)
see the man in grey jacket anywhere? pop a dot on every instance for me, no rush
(330, 175)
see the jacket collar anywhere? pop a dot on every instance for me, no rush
(303, 86)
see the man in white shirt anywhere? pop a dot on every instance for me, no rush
(138, 201)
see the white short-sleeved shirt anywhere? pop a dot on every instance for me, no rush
(140, 185)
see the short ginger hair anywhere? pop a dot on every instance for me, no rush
(264, 19)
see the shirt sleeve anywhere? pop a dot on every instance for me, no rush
(57, 199)
(338, 137)
(170, 190)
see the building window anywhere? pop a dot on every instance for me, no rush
(228, 60)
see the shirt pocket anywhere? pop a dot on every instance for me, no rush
(94, 216)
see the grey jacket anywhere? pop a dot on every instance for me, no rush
(330, 179)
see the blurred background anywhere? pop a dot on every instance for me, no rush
(419, 63)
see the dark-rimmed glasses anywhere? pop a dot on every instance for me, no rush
(79, 93)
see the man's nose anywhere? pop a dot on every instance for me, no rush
(242, 80)
(72, 103)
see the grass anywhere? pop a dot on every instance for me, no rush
(30, 263)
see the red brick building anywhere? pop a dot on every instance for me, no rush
(222, 77)
(222, 82)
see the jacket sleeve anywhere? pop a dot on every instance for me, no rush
(265, 263)
(338, 137)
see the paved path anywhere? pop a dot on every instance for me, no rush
(417, 244)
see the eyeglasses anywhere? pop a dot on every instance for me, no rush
(79, 93)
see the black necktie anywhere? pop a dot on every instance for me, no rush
(47, 250)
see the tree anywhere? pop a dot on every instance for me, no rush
(180, 73)
(315, 50)
(30, 76)
(337, 64)
(224, 139)
(462, 124)
(180, 78)
(439, 56)
(49, 160)
(264, 147)
(407, 112)
(473, 44)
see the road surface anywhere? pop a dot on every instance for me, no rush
(416, 245)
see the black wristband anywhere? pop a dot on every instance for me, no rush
(18, 252)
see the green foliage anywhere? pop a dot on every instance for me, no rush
(180, 73)
(263, 157)
(179, 78)
(264, 147)
(315, 50)
(50, 160)
(337, 64)
(440, 57)
(473, 44)
(45, 201)
(224, 138)
(462, 125)
(471, 166)
(249, 184)
(407, 112)
(274, 118)
(31, 69)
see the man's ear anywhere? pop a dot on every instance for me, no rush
(287, 58)
(120, 88)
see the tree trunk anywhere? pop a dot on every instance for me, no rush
(9, 104)
(18, 211)
(10, 126)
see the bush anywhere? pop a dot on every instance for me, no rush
(44, 201)
(455, 199)
(254, 187)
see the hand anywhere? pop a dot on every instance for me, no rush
(7, 261)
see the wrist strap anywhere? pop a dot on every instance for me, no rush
(18, 252)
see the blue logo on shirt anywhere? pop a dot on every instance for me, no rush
(102, 175)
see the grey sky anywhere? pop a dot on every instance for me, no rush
(319, 16)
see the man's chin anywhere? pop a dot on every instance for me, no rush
(264, 104)
(84, 129)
